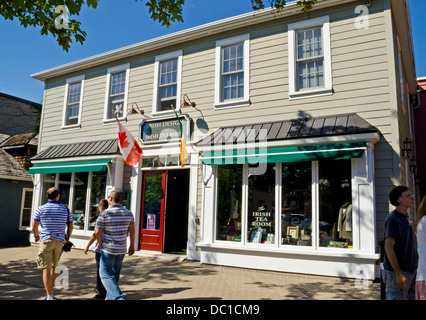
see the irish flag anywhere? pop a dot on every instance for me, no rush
(130, 148)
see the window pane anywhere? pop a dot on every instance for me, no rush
(232, 58)
(64, 187)
(229, 193)
(233, 86)
(26, 218)
(167, 105)
(296, 211)
(79, 203)
(261, 207)
(310, 73)
(168, 72)
(26, 208)
(335, 204)
(97, 193)
(116, 95)
(48, 182)
(116, 104)
(118, 81)
(73, 104)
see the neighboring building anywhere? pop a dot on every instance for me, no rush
(420, 130)
(18, 143)
(294, 142)
(16, 187)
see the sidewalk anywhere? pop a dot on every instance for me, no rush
(167, 278)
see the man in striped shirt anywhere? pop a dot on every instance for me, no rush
(111, 231)
(54, 217)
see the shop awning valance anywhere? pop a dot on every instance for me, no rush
(285, 154)
(66, 167)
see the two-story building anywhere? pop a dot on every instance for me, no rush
(293, 124)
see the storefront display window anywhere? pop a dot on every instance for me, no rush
(261, 207)
(311, 195)
(48, 182)
(296, 200)
(64, 187)
(76, 191)
(97, 193)
(79, 203)
(335, 204)
(229, 195)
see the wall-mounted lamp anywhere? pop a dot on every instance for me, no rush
(413, 165)
(406, 148)
(187, 102)
(133, 110)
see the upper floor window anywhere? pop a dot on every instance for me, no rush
(232, 71)
(117, 86)
(73, 102)
(167, 82)
(309, 58)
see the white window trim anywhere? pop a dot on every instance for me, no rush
(24, 191)
(123, 67)
(245, 101)
(70, 81)
(155, 98)
(328, 83)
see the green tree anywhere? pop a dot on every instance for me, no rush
(54, 16)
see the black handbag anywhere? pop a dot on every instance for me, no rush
(68, 244)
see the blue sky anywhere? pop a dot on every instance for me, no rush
(119, 23)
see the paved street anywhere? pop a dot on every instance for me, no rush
(167, 278)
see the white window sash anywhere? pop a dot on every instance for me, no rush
(109, 95)
(156, 98)
(24, 193)
(294, 92)
(68, 105)
(218, 96)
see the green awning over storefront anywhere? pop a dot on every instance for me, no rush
(285, 154)
(65, 167)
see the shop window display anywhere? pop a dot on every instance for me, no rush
(261, 207)
(48, 182)
(64, 187)
(335, 204)
(296, 200)
(229, 198)
(97, 193)
(79, 202)
(79, 189)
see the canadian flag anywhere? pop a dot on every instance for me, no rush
(130, 148)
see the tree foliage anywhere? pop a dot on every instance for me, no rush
(54, 16)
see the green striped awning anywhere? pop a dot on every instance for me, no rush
(74, 166)
(286, 154)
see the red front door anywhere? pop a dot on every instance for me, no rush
(153, 205)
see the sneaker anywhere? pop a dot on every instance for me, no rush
(99, 297)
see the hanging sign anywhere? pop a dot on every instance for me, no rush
(164, 130)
